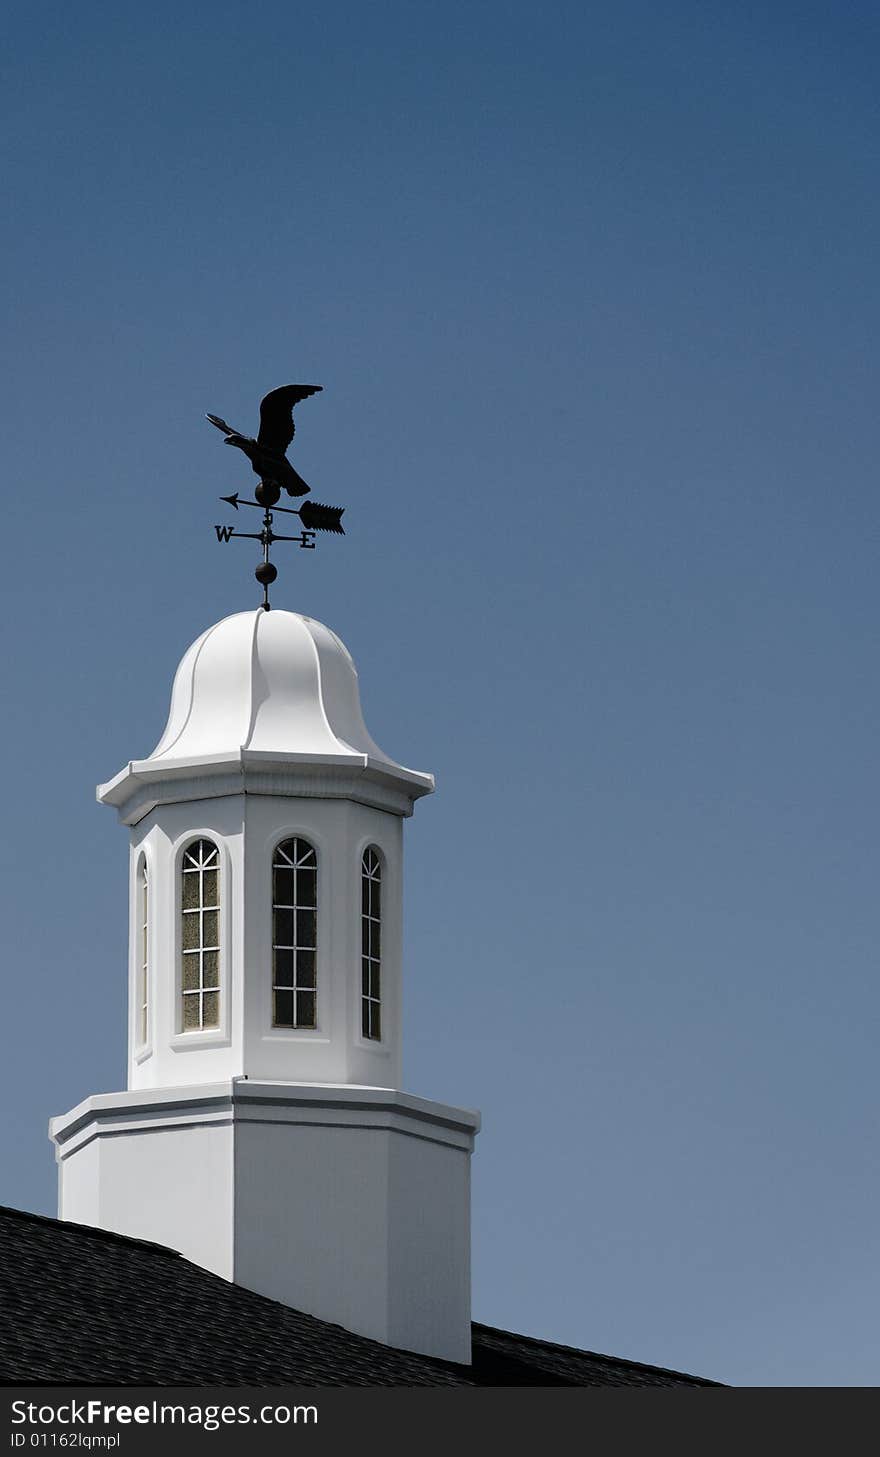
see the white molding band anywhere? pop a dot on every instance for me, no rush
(241, 1100)
(143, 784)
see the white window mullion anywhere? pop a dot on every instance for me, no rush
(198, 859)
(371, 948)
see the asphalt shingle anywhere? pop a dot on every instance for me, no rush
(83, 1306)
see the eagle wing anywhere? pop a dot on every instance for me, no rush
(276, 414)
(221, 424)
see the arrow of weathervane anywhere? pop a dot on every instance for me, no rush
(312, 514)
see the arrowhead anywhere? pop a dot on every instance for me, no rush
(233, 500)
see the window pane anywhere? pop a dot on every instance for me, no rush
(365, 936)
(190, 930)
(209, 888)
(190, 889)
(305, 1009)
(305, 928)
(284, 928)
(375, 897)
(190, 971)
(365, 1018)
(365, 896)
(374, 939)
(305, 854)
(306, 887)
(210, 969)
(282, 892)
(284, 968)
(284, 853)
(283, 1009)
(211, 1009)
(190, 1012)
(374, 981)
(209, 928)
(375, 1020)
(365, 978)
(305, 968)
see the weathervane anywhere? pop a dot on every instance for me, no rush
(269, 461)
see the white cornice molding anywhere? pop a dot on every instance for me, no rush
(241, 1100)
(146, 783)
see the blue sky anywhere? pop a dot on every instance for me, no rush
(592, 292)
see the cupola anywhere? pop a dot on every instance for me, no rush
(264, 1131)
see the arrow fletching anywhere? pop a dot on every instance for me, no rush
(316, 517)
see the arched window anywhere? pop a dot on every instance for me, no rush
(371, 947)
(200, 938)
(142, 979)
(294, 934)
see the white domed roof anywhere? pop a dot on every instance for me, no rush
(271, 681)
(259, 688)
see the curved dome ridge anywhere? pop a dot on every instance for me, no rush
(253, 686)
(322, 681)
(340, 692)
(211, 695)
(181, 702)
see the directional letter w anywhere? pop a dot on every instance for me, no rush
(224, 532)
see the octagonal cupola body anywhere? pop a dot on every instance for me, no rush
(266, 868)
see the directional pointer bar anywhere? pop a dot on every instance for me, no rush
(236, 500)
(266, 536)
(312, 514)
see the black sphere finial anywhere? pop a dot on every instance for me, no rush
(268, 493)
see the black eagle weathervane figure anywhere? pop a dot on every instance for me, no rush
(268, 458)
(267, 453)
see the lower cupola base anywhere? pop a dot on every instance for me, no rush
(349, 1203)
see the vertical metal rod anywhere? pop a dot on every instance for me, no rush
(267, 528)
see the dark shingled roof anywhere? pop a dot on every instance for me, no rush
(82, 1306)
